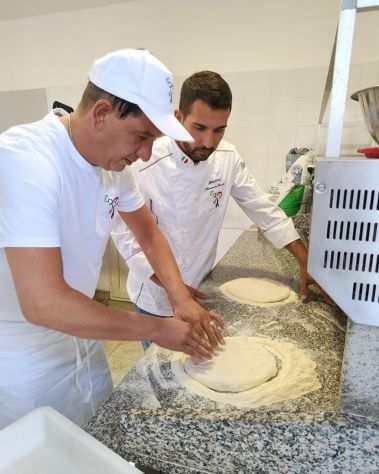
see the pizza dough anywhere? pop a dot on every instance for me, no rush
(240, 365)
(256, 291)
(296, 376)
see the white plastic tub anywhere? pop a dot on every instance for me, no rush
(45, 442)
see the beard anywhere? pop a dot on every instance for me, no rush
(196, 154)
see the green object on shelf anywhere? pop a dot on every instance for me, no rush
(291, 202)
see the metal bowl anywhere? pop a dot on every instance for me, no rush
(369, 101)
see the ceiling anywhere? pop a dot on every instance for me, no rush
(12, 10)
(187, 34)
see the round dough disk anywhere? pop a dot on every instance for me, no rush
(256, 290)
(240, 365)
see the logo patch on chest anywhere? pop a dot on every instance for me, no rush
(112, 203)
(215, 192)
(216, 197)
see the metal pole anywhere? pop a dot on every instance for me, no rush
(344, 44)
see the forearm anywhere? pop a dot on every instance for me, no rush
(71, 312)
(157, 251)
(299, 251)
(155, 279)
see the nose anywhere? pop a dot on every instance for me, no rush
(209, 139)
(144, 151)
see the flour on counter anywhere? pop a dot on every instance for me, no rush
(296, 375)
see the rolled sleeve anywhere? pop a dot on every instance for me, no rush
(282, 234)
(274, 223)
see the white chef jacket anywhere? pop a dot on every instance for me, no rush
(188, 202)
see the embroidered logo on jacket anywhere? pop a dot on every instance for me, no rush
(112, 204)
(216, 197)
(214, 183)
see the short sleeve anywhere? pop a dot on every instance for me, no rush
(29, 194)
(131, 198)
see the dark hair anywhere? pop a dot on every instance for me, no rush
(93, 93)
(207, 86)
(61, 105)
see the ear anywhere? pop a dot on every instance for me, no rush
(100, 113)
(178, 114)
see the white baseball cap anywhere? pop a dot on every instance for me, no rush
(137, 76)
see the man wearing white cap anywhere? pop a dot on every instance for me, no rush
(56, 209)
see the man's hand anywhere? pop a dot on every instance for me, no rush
(177, 335)
(208, 324)
(299, 251)
(306, 281)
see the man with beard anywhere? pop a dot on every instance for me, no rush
(187, 188)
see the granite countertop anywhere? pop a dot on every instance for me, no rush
(151, 419)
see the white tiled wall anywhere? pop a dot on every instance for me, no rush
(21, 107)
(274, 111)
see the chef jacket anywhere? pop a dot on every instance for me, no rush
(188, 202)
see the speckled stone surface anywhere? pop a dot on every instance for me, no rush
(360, 374)
(187, 441)
(151, 419)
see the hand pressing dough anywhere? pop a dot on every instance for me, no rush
(240, 365)
(256, 290)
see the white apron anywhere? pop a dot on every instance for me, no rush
(51, 369)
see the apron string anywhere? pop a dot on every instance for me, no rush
(79, 364)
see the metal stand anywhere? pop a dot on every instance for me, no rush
(338, 74)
